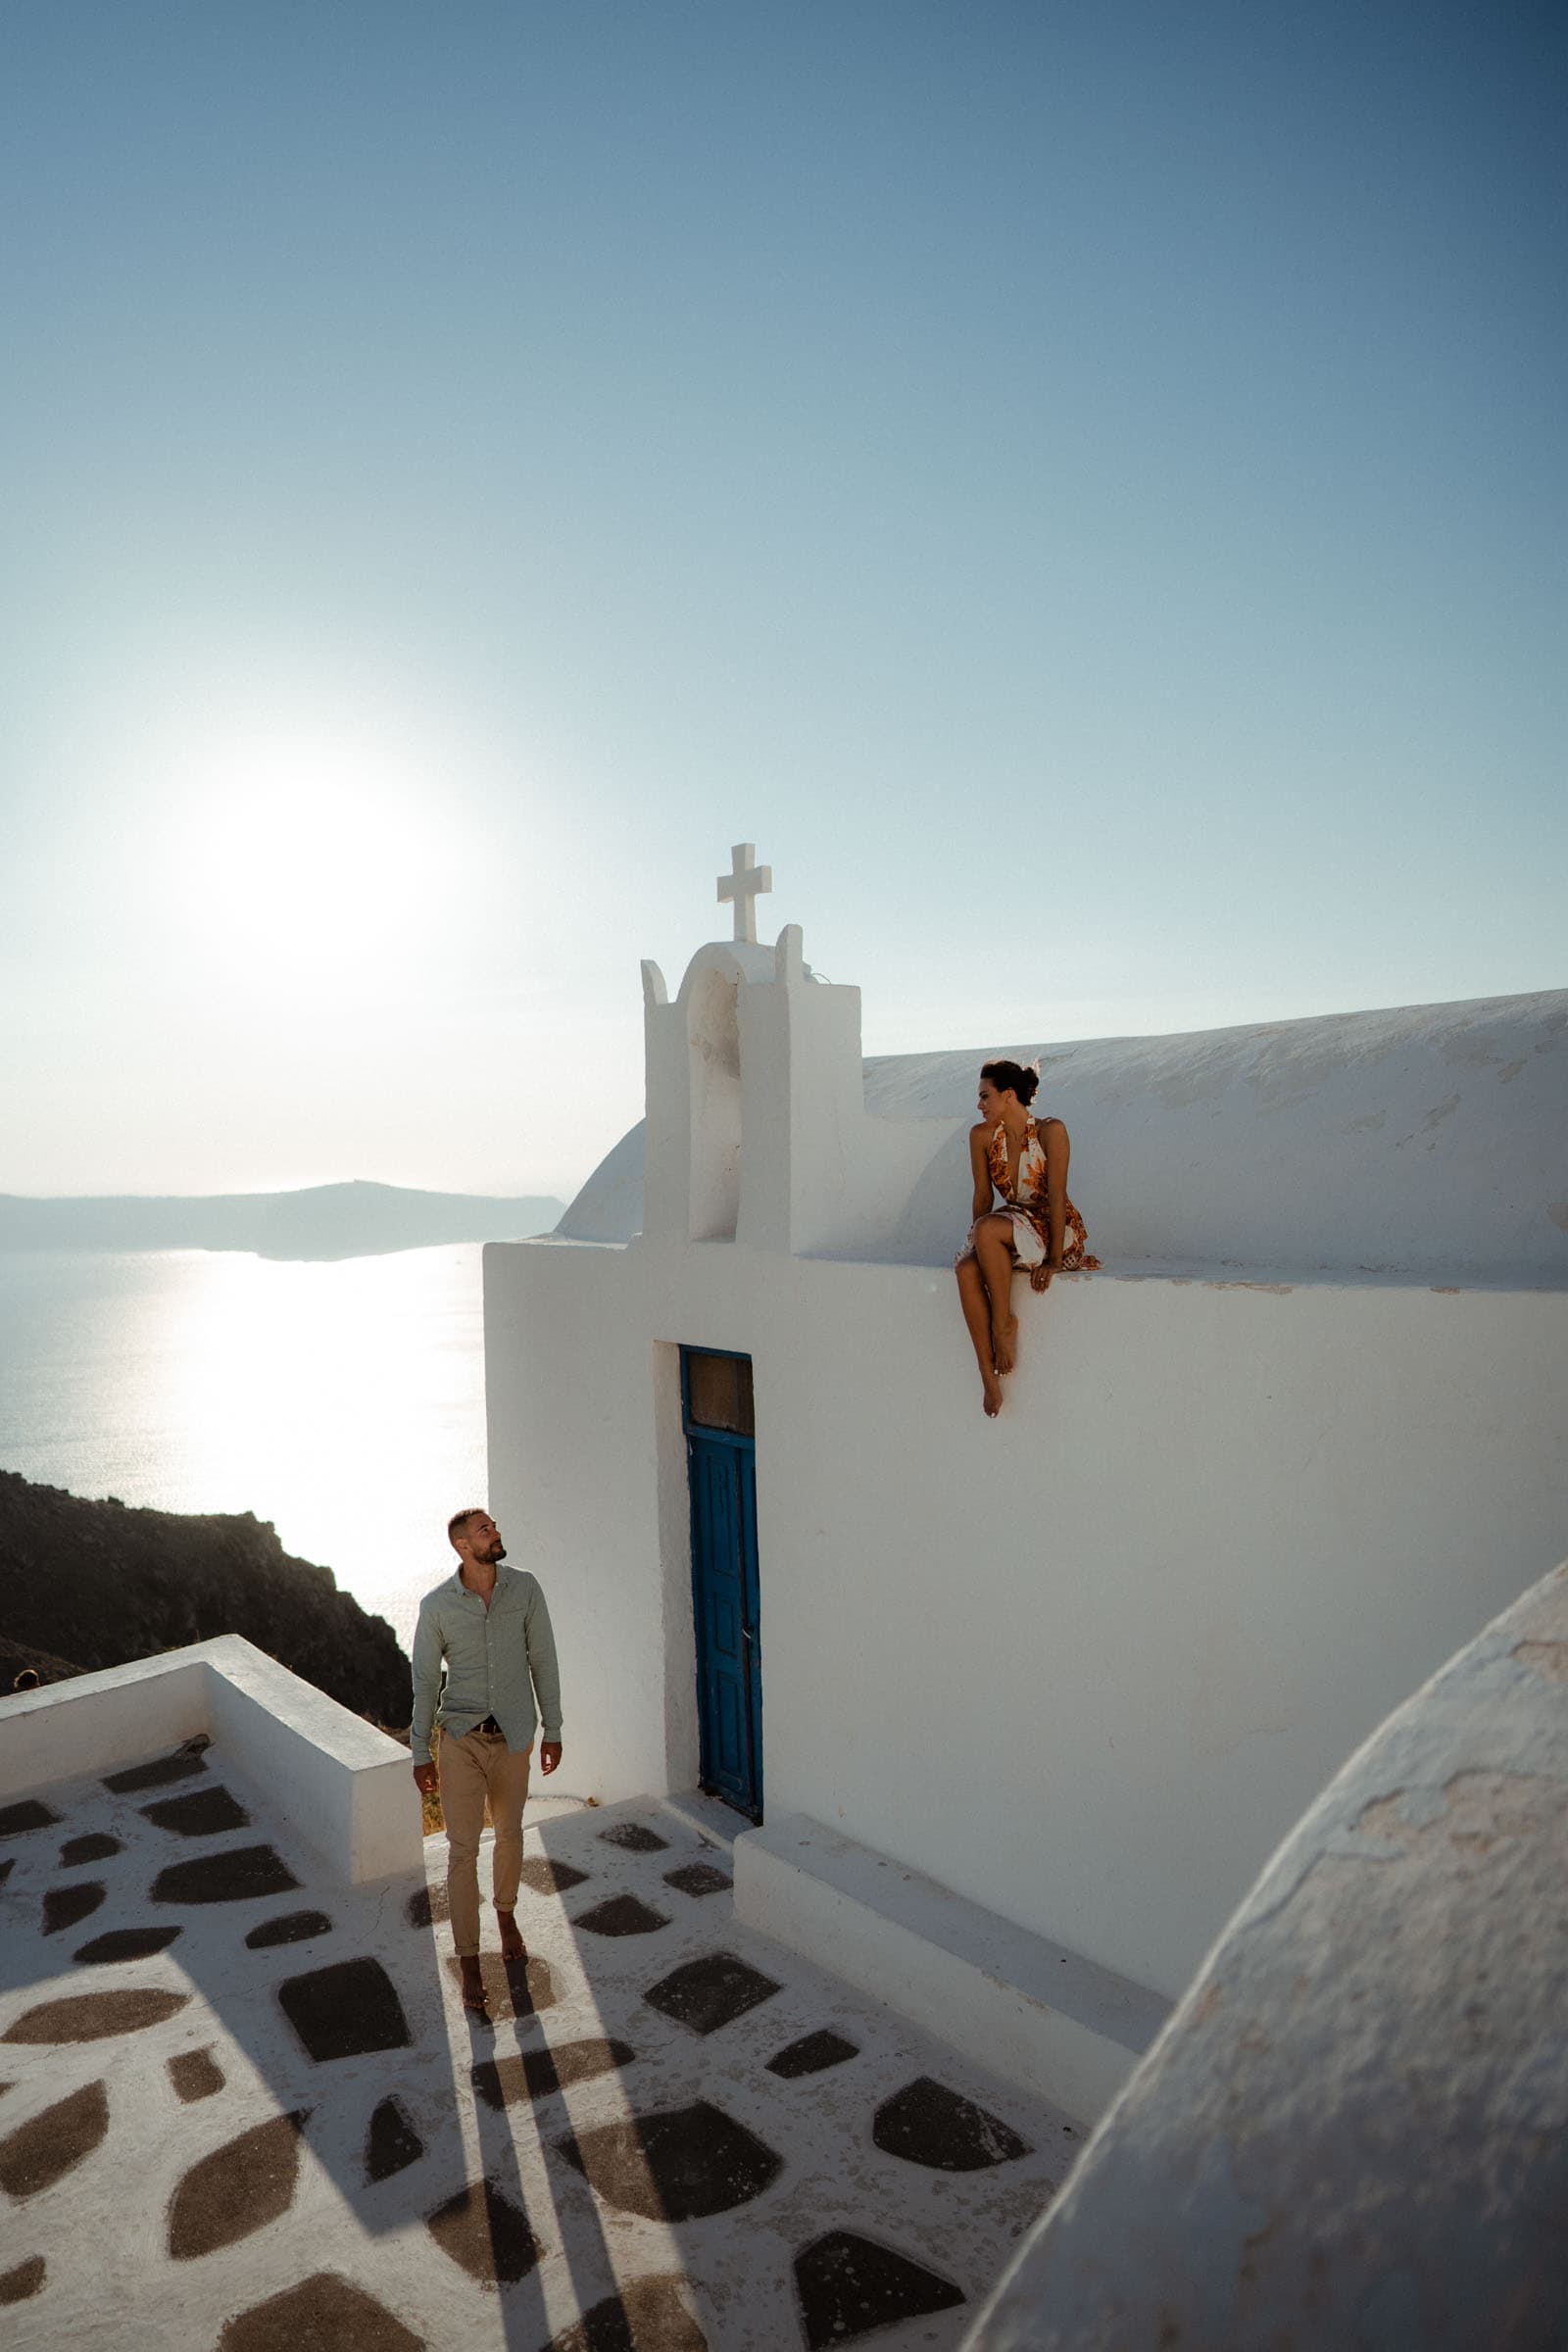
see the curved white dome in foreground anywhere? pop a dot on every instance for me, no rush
(1352, 2135)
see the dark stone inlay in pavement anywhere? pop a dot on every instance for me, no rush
(17, 1819)
(244, 1872)
(510, 1989)
(621, 1915)
(927, 2124)
(26, 2280)
(91, 2016)
(96, 1848)
(648, 2315)
(37, 2154)
(63, 1906)
(634, 1839)
(199, 1813)
(237, 2189)
(812, 2054)
(322, 2313)
(345, 2010)
(7, 1867)
(125, 1943)
(712, 1991)
(542, 1876)
(676, 2166)
(698, 1878)
(392, 2143)
(157, 1775)
(848, 2285)
(195, 2074)
(486, 2234)
(290, 1926)
(538, 2074)
(425, 1905)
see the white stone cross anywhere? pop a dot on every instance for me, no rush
(744, 883)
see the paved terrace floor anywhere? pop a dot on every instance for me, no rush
(243, 2108)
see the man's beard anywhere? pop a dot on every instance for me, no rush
(498, 1552)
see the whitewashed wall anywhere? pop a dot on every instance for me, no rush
(344, 1783)
(1429, 1139)
(1086, 1665)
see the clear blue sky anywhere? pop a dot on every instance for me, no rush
(1080, 486)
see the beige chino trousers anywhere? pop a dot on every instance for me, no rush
(477, 1766)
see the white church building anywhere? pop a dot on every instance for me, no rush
(1015, 1711)
(1019, 1732)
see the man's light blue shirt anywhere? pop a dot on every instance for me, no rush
(496, 1659)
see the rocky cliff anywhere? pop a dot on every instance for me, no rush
(97, 1584)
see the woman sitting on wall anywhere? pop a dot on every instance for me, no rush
(1037, 1226)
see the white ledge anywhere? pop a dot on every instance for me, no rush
(1012, 2001)
(343, 1785)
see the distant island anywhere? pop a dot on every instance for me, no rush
(324, 1221)
(86, 1584)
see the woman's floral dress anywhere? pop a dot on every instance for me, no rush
(1027, 1203)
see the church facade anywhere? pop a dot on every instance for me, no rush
(1009, 1714)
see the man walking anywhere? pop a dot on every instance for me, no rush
(491, 1627)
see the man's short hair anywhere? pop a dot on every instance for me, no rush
(460, 1520)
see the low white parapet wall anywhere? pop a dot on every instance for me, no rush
(97, 1721)
(1421, 1140)
(1015, 2003)
(342, 1783)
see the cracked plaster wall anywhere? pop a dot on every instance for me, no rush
(1354, 2134)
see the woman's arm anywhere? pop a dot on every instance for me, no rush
(1054, 1138)
(1058, 1149)
(980, 1165)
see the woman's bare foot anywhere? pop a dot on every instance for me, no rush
(991, 1390)
(1004, 1342)
(512, 1948)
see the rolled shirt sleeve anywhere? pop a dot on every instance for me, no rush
(427, 1650)
(543, 1670)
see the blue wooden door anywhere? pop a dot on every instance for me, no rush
(721, 1462)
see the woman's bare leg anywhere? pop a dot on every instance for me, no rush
(993, 1243)
(977, 1315)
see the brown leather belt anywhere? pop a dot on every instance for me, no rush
(491, 1729)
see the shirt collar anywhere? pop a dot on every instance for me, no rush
(503, 1576)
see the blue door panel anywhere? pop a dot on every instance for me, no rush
(727, 1599)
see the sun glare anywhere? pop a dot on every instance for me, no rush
(315, 851)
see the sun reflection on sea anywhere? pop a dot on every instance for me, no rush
(343, 1401)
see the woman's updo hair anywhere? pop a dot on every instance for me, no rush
(1005, 1075)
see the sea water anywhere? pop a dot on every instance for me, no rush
(342, 1402)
